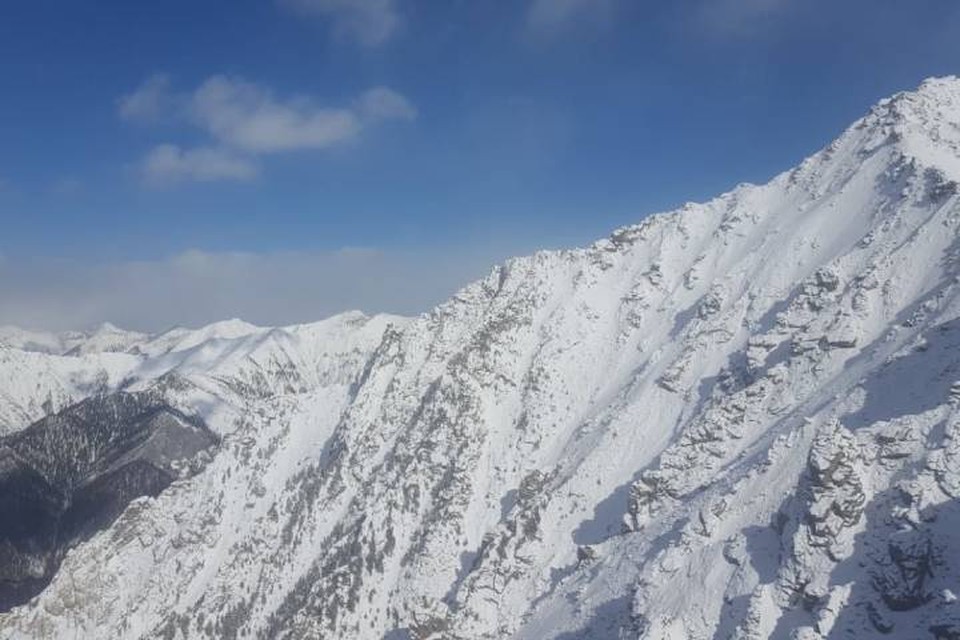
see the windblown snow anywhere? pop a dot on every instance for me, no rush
(736, 420)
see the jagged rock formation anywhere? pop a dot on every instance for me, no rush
(736, 420)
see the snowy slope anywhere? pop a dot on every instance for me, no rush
(219, 356)
(34, 384)
(17, 338)
(105, 338)
(738, 419)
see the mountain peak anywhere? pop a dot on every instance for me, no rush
(109, 327)
(924, 123)
(939, 88)
(935, 101)
(231, 326)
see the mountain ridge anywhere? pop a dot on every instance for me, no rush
(734, 420)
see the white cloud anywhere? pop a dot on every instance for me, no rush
(167, 164)
(551, 16)
(242, 120)
(381, 103)
(248, 117)
(150, 102)
(198, 287)
(369, 22)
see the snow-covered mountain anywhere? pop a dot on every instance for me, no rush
(736, 420)
(105, 338)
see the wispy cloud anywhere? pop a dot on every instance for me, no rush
(66, 186)
(739, 18)
(242, 120)
(249, 117)
(167, 164)
(150, 102)
(381, 103)
(197, 287)
(369, 22)
(549, 17)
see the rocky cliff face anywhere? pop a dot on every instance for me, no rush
(734, 420)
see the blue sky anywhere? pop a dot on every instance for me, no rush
(429, 138)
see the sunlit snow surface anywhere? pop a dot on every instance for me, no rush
(736, 420)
